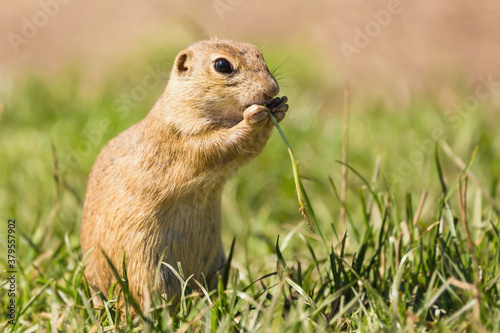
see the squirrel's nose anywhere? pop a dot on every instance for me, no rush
(272, 90)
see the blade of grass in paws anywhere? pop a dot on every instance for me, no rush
(301, 194)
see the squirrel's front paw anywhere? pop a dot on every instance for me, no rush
(278, 107)
(280, 112)
(256, 116)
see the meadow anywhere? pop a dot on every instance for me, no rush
(406, 233)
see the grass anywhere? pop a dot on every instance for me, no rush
(419, 250)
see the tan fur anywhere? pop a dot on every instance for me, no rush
(156, 187)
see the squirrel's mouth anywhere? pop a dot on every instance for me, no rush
(270, 103)
(258, 102)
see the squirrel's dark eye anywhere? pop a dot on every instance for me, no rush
(223, 66)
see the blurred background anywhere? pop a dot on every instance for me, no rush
(385, 48)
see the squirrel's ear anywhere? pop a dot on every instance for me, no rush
(182, 62)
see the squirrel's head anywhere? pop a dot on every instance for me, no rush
(218, 79)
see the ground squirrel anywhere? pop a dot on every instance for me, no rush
(155, 189)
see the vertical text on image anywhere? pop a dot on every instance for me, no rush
(11, 271)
